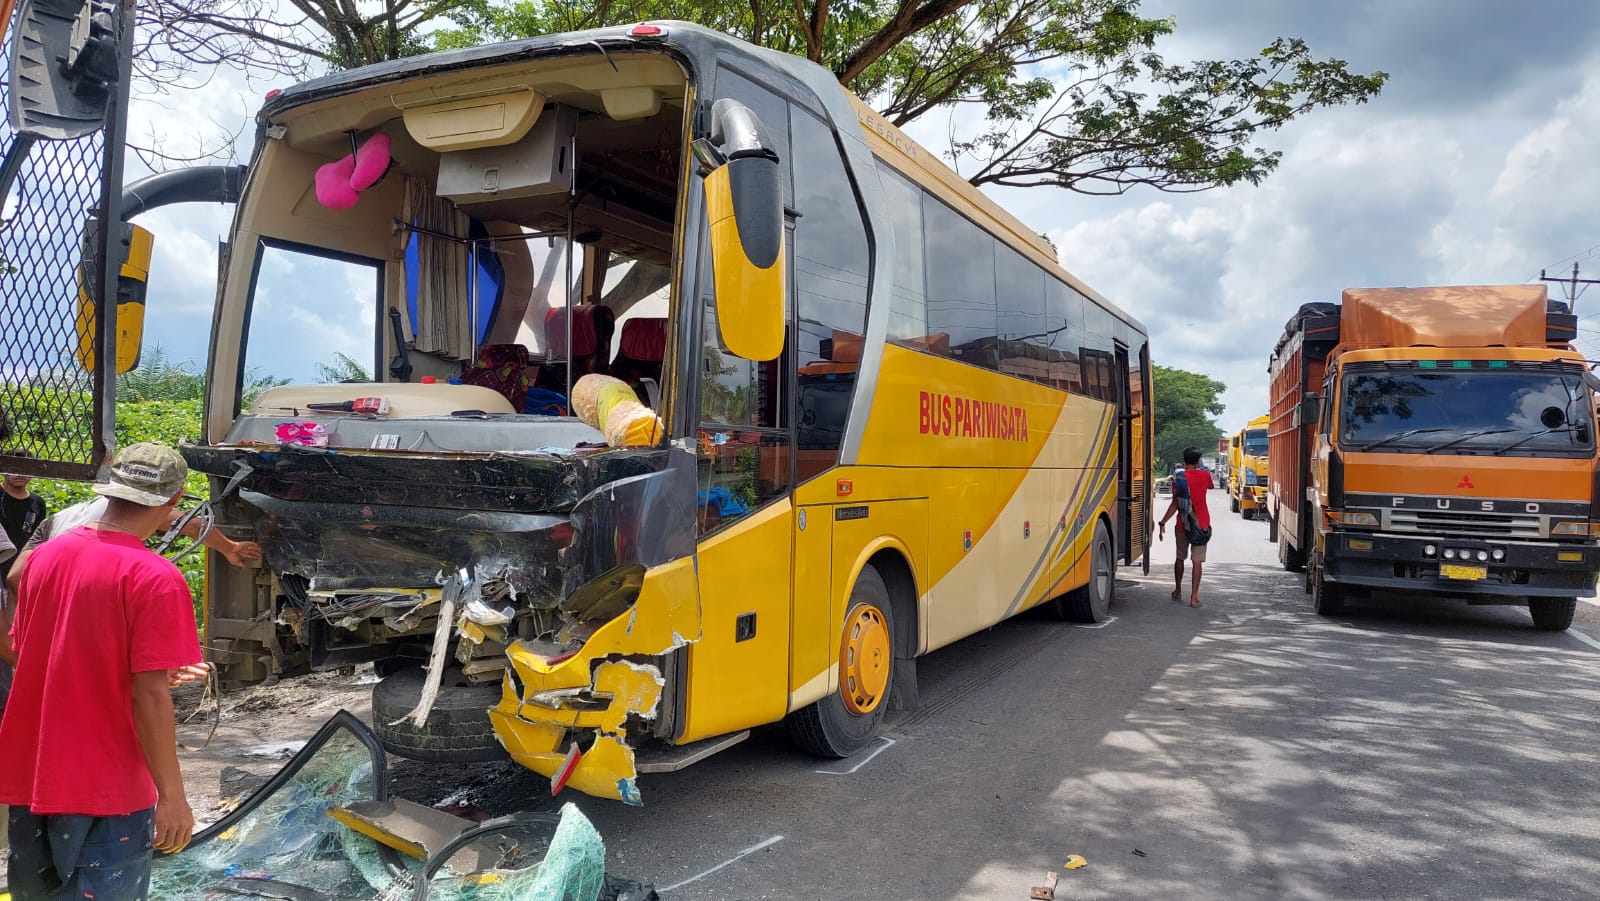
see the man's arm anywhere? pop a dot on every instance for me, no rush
(14, 577)
(158, 738)
(239, 553)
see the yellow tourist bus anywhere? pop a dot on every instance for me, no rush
(887, 418)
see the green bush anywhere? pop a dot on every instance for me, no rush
(169, 422)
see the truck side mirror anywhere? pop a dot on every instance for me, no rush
(744, 206)
(1311, 409)
(131, 285)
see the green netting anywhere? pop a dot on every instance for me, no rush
(573, 869)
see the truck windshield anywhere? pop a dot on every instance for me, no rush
(1255, 443)
(1465, 410)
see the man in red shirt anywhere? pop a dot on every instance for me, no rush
(88, 749)
(1199, 484)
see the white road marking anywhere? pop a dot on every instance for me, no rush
(879, 750)
(1584, 638)
(732, 860)
(1101, 625)
(1593, 602)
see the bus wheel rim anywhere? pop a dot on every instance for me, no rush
(864, 660)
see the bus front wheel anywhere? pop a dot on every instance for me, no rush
(847, 720)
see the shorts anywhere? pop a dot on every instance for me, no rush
(1197, 553)
(73, 856)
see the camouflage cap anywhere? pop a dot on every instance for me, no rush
(146, 474)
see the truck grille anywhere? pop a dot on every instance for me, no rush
(1464, 523)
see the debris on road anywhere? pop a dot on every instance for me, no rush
(1075, 862)
(1046, 892)
(324, 828)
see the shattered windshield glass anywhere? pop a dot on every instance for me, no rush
(283, 843)
(288, 839)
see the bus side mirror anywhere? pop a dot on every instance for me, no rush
(131, 284)
(744, 206)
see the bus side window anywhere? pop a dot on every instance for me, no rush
(961, 301)
(908, 303)
(831, 266)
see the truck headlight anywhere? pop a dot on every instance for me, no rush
(1576, 529)
(1352, 518)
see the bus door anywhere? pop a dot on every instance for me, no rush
(1130, 527)
(738, 671)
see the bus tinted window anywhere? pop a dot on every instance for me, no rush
(1019, 291)
(1064, 335)
(961, 304)
(908, 300)
(831, 265)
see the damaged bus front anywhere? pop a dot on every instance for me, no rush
(480, 238)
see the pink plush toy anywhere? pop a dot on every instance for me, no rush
(340, 183)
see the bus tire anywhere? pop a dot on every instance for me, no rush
(847, 720)
(1091, 603)
(1552, 614)
(1327, 598)
(457, 729)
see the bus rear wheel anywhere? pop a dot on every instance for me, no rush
(846, 721)
(1092, 602)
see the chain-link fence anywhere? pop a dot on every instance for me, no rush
(53, 421)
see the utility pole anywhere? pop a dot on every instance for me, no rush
(1572, 286)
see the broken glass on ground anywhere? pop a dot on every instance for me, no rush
(282, 843)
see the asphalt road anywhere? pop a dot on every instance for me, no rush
(1247, 749)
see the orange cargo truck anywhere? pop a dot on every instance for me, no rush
(1436, 441)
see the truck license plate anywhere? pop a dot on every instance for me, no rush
(1466, 573)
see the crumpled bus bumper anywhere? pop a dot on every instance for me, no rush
(598, 705)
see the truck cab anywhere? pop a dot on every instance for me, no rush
(1247, 468)
(1448, 445)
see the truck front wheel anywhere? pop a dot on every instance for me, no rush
(1327, 598)
(1552, 614)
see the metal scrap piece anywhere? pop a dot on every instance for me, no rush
(441, 647)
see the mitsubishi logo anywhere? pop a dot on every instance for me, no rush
(1466, 482)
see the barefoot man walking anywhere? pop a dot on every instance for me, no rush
(1189, 489)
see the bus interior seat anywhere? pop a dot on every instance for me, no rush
(640, 352)
(506, 368)
(592, 328)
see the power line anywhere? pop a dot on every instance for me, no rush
(1571, 286)
(1578, 257)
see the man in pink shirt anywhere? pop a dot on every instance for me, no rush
(88, 748)
(1197, 481)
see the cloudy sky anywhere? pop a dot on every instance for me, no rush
(1476, 165)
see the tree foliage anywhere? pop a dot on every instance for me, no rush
(1070, 93)
(1184, 403)
(342, 369)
